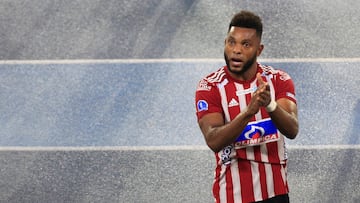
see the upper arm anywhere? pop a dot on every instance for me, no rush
(288, 105)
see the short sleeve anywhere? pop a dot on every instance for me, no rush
(285, 87)
(207, 100)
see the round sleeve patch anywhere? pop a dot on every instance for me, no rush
(202, 105)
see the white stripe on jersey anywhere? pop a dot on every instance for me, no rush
(268, 170)
(255, 174)
(217, 77)
(242, 99)
(224, 102)
(269, 180)
(272, 89)
(235, 176)
(222, 184)
(281, 147)
(264, 152)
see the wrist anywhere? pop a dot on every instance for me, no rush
(271, 106)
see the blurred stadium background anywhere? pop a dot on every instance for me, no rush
(97, 97)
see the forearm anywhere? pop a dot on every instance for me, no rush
(219, 137)
(285, 119)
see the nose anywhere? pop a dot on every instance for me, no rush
(237, 49)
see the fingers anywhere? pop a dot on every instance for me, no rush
(263, 86)
(261, 97)
(259, 79)
(263, 92)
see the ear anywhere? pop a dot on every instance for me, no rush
(261, 47)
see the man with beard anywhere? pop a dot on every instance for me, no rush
(245, 110)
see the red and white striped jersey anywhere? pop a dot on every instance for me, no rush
(253, 168)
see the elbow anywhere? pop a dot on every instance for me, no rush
(213, 143)
(291, 134)
(213, 147)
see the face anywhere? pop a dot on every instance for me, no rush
(242, 47)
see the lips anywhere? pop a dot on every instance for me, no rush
(236, 62)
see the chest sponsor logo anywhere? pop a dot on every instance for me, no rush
(257, 133)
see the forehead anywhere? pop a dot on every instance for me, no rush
(242, 33)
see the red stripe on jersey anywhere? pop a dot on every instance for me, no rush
(216, 185)
(234, 110)
(229, 186)
(286, 183)
(247, 192)
(272, 147)
(276, 169)
(279, 184)
(262, 173)
(264, 113)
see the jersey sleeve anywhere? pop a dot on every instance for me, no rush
(207, 99)
(285, 87)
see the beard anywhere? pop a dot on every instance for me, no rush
(245, 68)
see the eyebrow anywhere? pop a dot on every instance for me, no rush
(242, 41)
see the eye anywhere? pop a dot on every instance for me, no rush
(246, 44)
(231, 42)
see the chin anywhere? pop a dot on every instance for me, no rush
(236, 70)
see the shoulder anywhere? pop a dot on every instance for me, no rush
(275, 73)
(212, 79)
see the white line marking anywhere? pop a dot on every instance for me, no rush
(102, 148)
(160, 148)
(174, 60)
(321, 147)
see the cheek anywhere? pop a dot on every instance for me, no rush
(227, 50)
(252, 53)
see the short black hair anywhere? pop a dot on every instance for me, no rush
(247, 19)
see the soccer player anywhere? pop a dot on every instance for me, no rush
(245, 110)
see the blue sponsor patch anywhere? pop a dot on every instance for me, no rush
(202, 105)
(257, 130)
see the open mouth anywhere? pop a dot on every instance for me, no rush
(236, 61)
